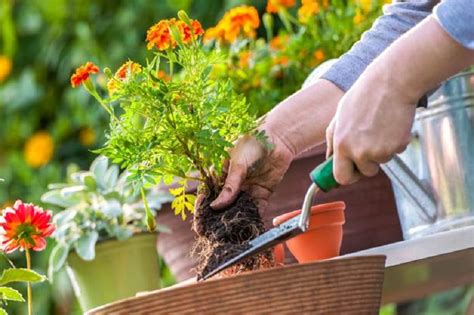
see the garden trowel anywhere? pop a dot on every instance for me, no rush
(323, 180)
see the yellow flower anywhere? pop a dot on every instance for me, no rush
(5, 67)
(358, 18)
(308, 9)
(87, 136)
(39, 149)
(365, 5)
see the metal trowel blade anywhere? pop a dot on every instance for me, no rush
(265, 241)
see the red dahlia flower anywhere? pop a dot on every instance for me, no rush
(24, 226)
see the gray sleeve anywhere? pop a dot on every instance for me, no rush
(398, 18)
(456, 17)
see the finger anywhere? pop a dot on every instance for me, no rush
(260, 196)
(231, 189)
(344, 169)
(368, 168)
(329, 138)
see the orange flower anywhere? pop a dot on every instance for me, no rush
(242, 20)
(39, 149)
(278, 42)
(163, 76)
(159, 35)
(358, 18)
(319, 56)
(87, 136)
(281, 60)
(128, 68)
(82, 74)
(274, 5)
(308, 9)
(5, 67)
(244, 59)
(187, 33)
(24, 226)
(122, 74)
(214, 33)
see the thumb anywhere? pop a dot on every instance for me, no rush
(231, 189)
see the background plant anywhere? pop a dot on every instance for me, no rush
(97, 204)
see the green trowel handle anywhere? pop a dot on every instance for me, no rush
(323, 176)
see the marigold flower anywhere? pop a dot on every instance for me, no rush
(358, 18)
(122, 74)
(241, 20)
(87, 136)
(278, 42)
(82, 74)
(281, 60)
(159, 35)
(162, 75)
(308, 9)
(365, 5)
(274, 5)
(128, 68)
(24, 226)
(186, 32)
(319, 55)
(39, 149)
(244, 59)
(5, 67)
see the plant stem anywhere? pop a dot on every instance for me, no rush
(150, 219)
(30, 293)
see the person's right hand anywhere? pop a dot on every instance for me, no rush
(255, 170)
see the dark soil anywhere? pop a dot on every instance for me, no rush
(223, 234)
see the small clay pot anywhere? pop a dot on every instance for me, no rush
(324, 236)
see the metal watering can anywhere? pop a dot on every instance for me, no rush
(433, 180)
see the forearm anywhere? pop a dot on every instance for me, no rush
(301, 120)
(398, 18)
(420, 60)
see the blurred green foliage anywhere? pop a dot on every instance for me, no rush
(46, 41)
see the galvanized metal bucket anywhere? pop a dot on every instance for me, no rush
(441, 155)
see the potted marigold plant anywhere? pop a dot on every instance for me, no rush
(182, 127)
(100, 235)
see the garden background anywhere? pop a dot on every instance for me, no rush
(46, 126)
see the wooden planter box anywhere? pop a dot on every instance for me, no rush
(371, 214)
(338, 286)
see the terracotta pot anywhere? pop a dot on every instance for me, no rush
(371, 216)
(279, 254)
(324, 236)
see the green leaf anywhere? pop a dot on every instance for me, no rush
(55, 198)
(3, 312)
(20, 275)
(85, 245)
(112, 208)
(10, 294)
(58, 257)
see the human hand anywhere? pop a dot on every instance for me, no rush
(372, 123)
(254, 169)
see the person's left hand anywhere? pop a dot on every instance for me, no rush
(372, 123)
